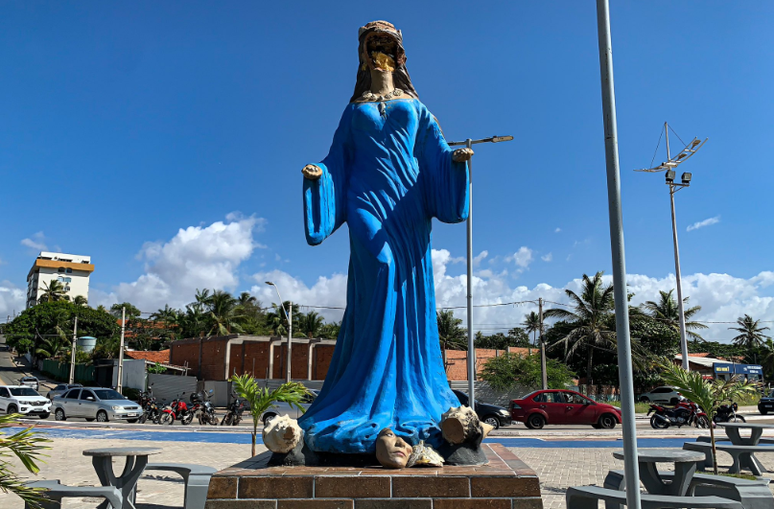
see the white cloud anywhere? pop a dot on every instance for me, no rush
(723, 297)
(36, 241)
(701, 224)
(196, 257)
(327, 292)
(522, 258)
(478, 259)
(12, 299)
(557, 230)
(548, 257)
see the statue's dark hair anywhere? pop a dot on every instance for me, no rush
(400, 75)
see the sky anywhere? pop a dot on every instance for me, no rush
(165, 140)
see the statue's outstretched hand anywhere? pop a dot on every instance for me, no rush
(462, 154)
(312, 172)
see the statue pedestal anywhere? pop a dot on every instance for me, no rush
(504, 483)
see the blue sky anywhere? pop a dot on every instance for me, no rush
(166, 141)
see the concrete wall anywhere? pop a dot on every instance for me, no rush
(134, 374)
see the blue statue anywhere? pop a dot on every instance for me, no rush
(389, 172)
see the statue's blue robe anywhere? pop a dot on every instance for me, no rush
(387, 175)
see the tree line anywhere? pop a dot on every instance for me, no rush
(582, 336)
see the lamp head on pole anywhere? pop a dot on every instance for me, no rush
(670, 176)
(686, 178)
(269, 283)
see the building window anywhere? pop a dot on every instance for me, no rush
(61, 269)
(69, 270)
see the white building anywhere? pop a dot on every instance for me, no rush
(72, 271)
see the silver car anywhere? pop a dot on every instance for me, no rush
(60, 389)
(664, 394)
(98, 403)
(281, 408)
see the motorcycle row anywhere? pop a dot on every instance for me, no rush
(688, 413)
(199, 407)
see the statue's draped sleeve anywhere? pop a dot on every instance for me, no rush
(325, 205)
(446, 182)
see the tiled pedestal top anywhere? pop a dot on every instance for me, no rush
(504, 483)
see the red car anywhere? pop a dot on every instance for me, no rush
(563, 407)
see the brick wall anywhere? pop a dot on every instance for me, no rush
(457, 360)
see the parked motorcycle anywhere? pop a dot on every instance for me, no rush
(727, 413)
(685, 413)
(203, 409)
(234, 413)
(150, 407)
(177, 410)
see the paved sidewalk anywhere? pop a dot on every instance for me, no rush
(557, 468)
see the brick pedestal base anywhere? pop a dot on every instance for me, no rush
(505, 483)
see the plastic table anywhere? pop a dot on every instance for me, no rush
(136, 459)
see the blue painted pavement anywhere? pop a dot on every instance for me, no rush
(244, 438)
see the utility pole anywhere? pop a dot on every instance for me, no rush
(290, 342)
(120, 383)
(542, 346)
(72, 353)
(669, 166)
(678, 281)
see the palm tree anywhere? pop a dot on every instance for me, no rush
(588, 322)
(225, 314)
(53, 347)
(531, 324)
(450, 334)
(708, 394)
(767, 354)
(53, 291)
(311, 324)
(277, 322)
(26, 446)
(751, 334)
(245, 299)
(667, 311)
(80, 300)
(260, 398)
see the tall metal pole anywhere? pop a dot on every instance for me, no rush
(631, 467)
(72, 352)
(288, 371)
(678, 281)
(542, 346)
(120, 382)
(471, 345)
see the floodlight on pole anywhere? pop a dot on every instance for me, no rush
(669, 178)
(290, 331)
(471, 347)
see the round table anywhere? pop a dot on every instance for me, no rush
(756, 431)
(136, 459)
(685, 466)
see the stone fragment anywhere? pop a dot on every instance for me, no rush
(282, 434)
(424, 456)
(460, 424)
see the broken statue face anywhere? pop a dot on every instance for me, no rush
(391, 450)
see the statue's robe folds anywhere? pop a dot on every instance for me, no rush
(388, 174)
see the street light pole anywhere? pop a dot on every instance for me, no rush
(678, 280)
(669, 166)
(471, 343)
(288, 371)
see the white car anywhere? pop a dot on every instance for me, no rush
(18, 399)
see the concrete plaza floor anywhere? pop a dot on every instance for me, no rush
(558, 468)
